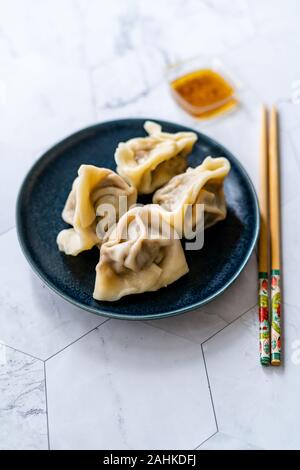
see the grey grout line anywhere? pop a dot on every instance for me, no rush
(217, 332)
(147, 323)
(209, 388)
(206, 368)
(47, 411)
(75, 341)
(46, 401)
(241, 314)
(22, 352)
(214, 434)
(7, 230)
(228, 324)
(65, 347)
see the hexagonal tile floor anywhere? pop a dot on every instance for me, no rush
(125, 384)
(119, 400)
(69, 379)
(40, 322)
(254, 404)
(23, 402)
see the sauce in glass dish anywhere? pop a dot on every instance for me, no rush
(204, 93)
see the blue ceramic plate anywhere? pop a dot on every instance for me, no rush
(227, 246)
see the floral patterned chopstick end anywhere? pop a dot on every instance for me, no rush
(275, 318)
(264, 324)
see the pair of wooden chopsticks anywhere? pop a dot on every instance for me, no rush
(269, 242)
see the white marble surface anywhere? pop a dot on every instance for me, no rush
(65, 64)
(221, 441)
(123, 396)
(23, 403)
(34, 319)
(257, 405)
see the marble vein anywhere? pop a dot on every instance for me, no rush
(23, 407)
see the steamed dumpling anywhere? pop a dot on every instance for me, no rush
(147, 163)
(93, 188)
(141, 254)
(200, 185)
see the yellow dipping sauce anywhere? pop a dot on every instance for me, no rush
(203, 93)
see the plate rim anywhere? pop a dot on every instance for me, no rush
(98, 311)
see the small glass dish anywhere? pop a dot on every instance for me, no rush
(203, 87)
